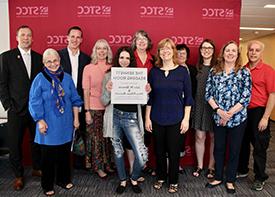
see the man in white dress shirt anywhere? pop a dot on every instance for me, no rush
(73, 61)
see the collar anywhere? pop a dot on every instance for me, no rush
(149, 56)
(258, 66)
(71, 53)
(23, 52)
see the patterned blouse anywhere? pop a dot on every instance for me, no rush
(227, 90)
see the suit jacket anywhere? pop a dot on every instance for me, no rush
(14, 80)
(83, 60)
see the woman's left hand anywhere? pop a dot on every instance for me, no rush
(109, 86)
(223, 122)
(148, 88)
(184, 126)
(76, 124)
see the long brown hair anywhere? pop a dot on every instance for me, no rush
(219, 67)
(213, 58)
(163, 43)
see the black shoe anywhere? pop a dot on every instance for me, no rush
(120, 189)
(136, 189)
(230, 190)
(209, 185)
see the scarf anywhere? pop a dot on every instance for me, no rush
(57, 90)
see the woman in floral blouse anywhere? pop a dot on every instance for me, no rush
(228, 91)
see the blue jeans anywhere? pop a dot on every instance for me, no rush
(126, 123)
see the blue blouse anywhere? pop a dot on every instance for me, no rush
(169, 95)
(41, 106)
(227, 91)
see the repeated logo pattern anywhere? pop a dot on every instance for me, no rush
(156, 11)
(56, 40)
(31, 11)
(94, 11)
(217, 13)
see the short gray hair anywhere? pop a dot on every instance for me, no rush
(50, 51)
(255, 42)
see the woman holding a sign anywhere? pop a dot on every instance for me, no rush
(124, 120)
(168, 111)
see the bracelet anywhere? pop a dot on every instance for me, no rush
(216, 109)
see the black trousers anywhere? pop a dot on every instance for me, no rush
(260, 142)
(232, 136)
(55, 165)
(167, 139)
(16, 128)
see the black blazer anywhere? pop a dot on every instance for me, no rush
(14, 81)
(83, 60)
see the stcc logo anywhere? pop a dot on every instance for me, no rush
(192, 41)
(120, 39)
(90, 10)
(217, 13)
(31, 11)
(57, 40)
(156, 11)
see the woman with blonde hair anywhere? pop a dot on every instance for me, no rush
(98, 149)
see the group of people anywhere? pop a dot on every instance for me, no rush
(67, 91)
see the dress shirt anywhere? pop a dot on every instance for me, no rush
(27, 59)
(74, 64)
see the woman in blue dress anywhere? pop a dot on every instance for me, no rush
(54, 105)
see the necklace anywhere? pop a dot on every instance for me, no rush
(168, 68)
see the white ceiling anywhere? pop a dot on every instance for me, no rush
(253, 14)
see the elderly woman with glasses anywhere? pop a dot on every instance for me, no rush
(54, 104)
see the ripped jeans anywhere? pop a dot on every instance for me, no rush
(126, 123)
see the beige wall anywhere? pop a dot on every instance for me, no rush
(268, 56)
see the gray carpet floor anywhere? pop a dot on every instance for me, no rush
(88, 184)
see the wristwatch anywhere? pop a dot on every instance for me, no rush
(86, 110)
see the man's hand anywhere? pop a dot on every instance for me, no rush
(263, 124)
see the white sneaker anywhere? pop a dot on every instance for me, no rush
(239, 175)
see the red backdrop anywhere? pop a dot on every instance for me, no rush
(184, 21)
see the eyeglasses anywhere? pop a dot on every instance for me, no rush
(49, 62)
(207, 48)
(182, 53)
(142, 39)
